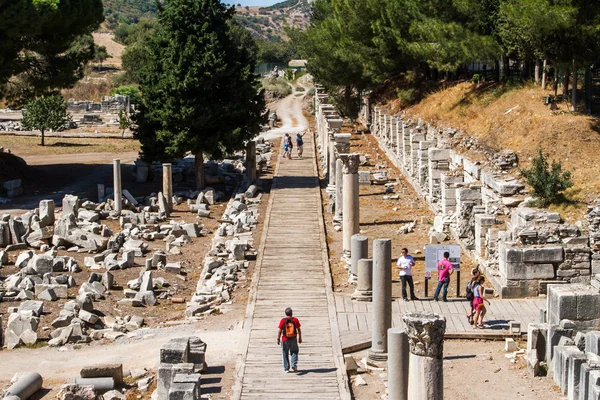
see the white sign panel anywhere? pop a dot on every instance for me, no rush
(434, 253)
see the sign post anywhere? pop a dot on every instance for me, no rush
(434, 253)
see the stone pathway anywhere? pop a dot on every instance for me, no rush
(292, 271)
(354, 317)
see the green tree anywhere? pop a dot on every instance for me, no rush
(100, 55)
(44, 44)
(124, 122)
(44, 113)
(547, 180)
(199, 90)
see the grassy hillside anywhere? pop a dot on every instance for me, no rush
(116, 11)
(514, 117)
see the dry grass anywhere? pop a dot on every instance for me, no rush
(482, 112)
(28, 145)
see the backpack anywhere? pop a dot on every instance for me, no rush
(289, 328)
(470, 294)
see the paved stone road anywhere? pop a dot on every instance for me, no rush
(292, 271)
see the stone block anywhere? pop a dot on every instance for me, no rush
(592, 342)
(175, 351)
(555, 333)
(523, 271)
(31, 307)
(575, 363)
(114, 371)
(70, 205)
(46, 213)
(543, 255)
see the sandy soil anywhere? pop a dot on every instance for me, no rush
(114, 49)
(473, 370)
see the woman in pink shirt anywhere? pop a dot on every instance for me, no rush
(444, 271)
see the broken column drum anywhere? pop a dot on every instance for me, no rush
(350, 224)
(117, 185)
(168, 185)
(426, 342)
(397, 364)
(26, 386)
(364, 287)
(359, 248)
(382, 299)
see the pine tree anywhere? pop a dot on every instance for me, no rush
(198, 86)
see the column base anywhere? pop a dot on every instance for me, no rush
(363, 295)
(377, 358)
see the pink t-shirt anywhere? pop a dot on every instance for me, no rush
(444, 269)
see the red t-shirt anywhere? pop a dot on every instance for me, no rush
(282, 323)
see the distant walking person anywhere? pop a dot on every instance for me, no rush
(300, 144)
(289, 336)
(287, 150)
(444, 271)
(405, 264)
(478, 303)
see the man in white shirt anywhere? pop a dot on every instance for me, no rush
(405, 264)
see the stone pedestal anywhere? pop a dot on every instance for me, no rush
(251, 161)
(382, 299)
(426, 342)
(339, 196)
(117, 185)
(397, 364)
(364, 289)
(351, 201)
(168, 185)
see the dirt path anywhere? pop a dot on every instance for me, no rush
(138, 351)
(292, 120)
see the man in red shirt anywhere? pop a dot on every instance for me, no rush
(444, 271)
(289, 336)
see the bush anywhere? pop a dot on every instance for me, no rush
(312, 91)
(299, 89)
(407, 96)
(277, 87)
(548, 181)
(133, 91)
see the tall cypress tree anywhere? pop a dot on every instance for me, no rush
(200, 93)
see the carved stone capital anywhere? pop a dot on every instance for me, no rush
(425, 333)
(342, 143)
(350, 163)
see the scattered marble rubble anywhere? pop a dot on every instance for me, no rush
(229, 255)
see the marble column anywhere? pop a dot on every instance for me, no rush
(251, 161)
(118, 192)
(359, 248)
(397, 364)
(351, 213)
(364, 288)
(168, 185)
(426, 342)
(339, 190)
(382, 299)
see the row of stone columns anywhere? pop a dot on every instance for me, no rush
(414, 355)
(168, 178)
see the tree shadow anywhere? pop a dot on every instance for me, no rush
(393, 222)
(65, 144)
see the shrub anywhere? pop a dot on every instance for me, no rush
(476, 78)
(299, 89)
(312, 91)
(407, 96)
(547, 180)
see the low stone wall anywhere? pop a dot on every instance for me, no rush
(522, 249)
